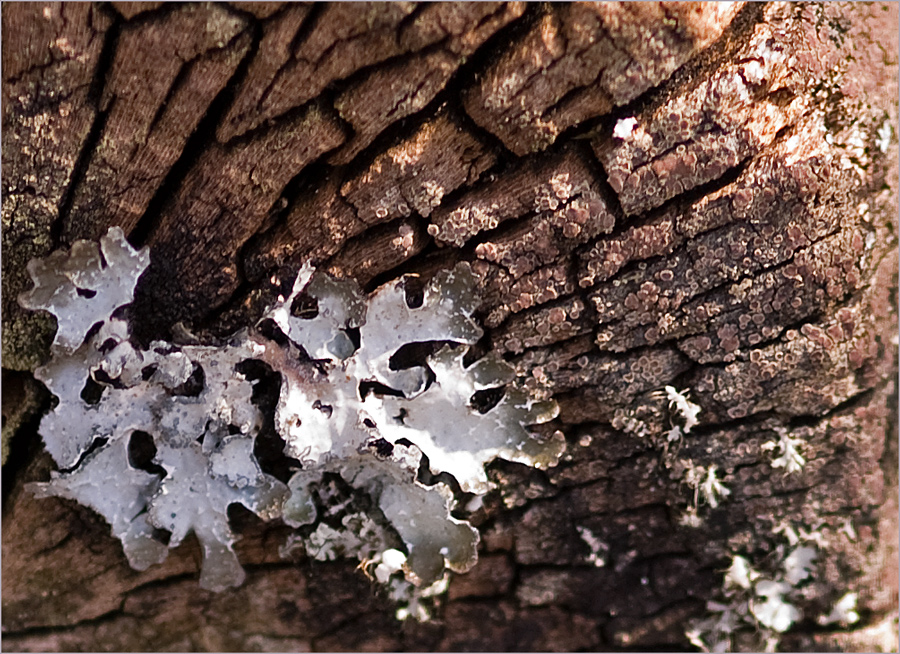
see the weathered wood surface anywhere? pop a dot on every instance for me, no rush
(740, 242)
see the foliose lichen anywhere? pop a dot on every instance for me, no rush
(347, 411)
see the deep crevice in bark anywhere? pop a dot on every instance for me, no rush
(104, 65)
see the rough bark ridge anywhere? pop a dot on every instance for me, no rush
(687, 194)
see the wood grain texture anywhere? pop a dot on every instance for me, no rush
(222, 201)
(579, 60)
(51, 54)
(164, 76)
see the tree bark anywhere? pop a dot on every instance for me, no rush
(695, 195)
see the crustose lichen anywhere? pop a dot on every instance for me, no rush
(345, 411)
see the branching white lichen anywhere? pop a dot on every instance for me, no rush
(712, 489)
(883, 140)
(788, 448)
(844, 612)
(345, 409)
(705, 486)
(754, 604)
(598, 550)
(756, 607)
(684, 409)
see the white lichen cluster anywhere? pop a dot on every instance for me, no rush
(684, 409)
(705, 486)
(756, 607)
(345, 410)
(597, 549)
(883, 136)
(789, 456)
(702, 481)
(764, 604)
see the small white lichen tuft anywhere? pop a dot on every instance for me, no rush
(740, 574)
(788, 448)
(706, 486)
(345, 410)
(624, 127)
(712, 489)
(843, 612)
(770, 606)
(684, 408)
(883, 136)
(597, 548)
